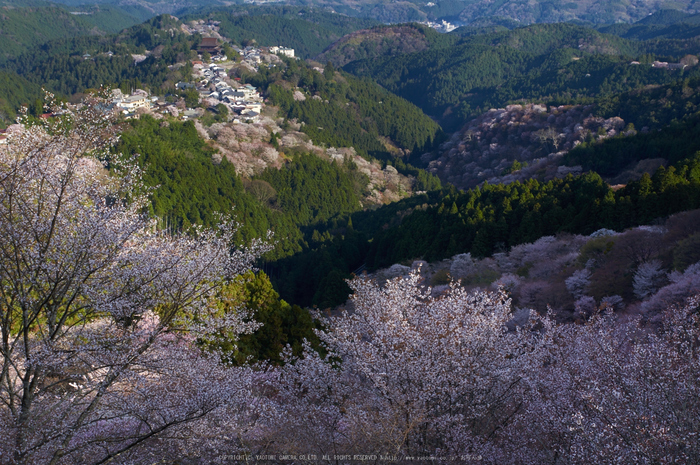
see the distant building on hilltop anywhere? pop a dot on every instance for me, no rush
(209, 45)
(286, 51)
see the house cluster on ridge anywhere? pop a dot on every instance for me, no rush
(216, 88)
(442, 26)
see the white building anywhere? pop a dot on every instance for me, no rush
(286, 51)
(134, 102)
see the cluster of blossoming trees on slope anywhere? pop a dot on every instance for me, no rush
(103, 319)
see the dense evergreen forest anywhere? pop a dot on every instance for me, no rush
(679, 141)
(15, 91)
(61, 66)
(494, 218)
(308, 31)
(192, 189)
(111, 18)
(553, 62)
(663, 24)
(344, 111)
(382, 41)
(24, 27)
(654, 107)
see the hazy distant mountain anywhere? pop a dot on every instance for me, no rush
(520, 11)
(594, 11)
(460, 12)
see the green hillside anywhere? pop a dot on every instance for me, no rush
(106, 17)
(23, 28)
(192, 189)
(60, 65)
(307, 31)
(490, 218)
(493, 218)
(663, 24)
(559, 62)
(344, 111)
(15, 91)
(548, 11)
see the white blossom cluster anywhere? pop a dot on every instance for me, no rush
(408, 375)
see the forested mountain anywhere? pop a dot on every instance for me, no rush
(152, 353)
(60, 65)
(24, 27)
(663, 24)
(145, 9)
(521, 142)
(488, 219)
(548, 62)
(307, 190)
(69, 66)
(461, 11)
(672, 144)
(190, 282)
(335, 110)
(483, 220)
(308, 31)
(464, 73)
(383, 41)
(592, 11)
(192, 189)
(107, 18)
(560, 62)
(342, 111)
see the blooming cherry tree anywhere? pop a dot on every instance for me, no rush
(648, 278)
(614, 392)
(99, 310)
(414, 374)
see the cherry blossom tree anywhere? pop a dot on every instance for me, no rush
(410, 374)
(407, 374)
(682, 286)
(99, 311)
(462, 266)
(578, 282)
(648, 278)
(614, 392)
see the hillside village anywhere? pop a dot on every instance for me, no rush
(210, 79)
